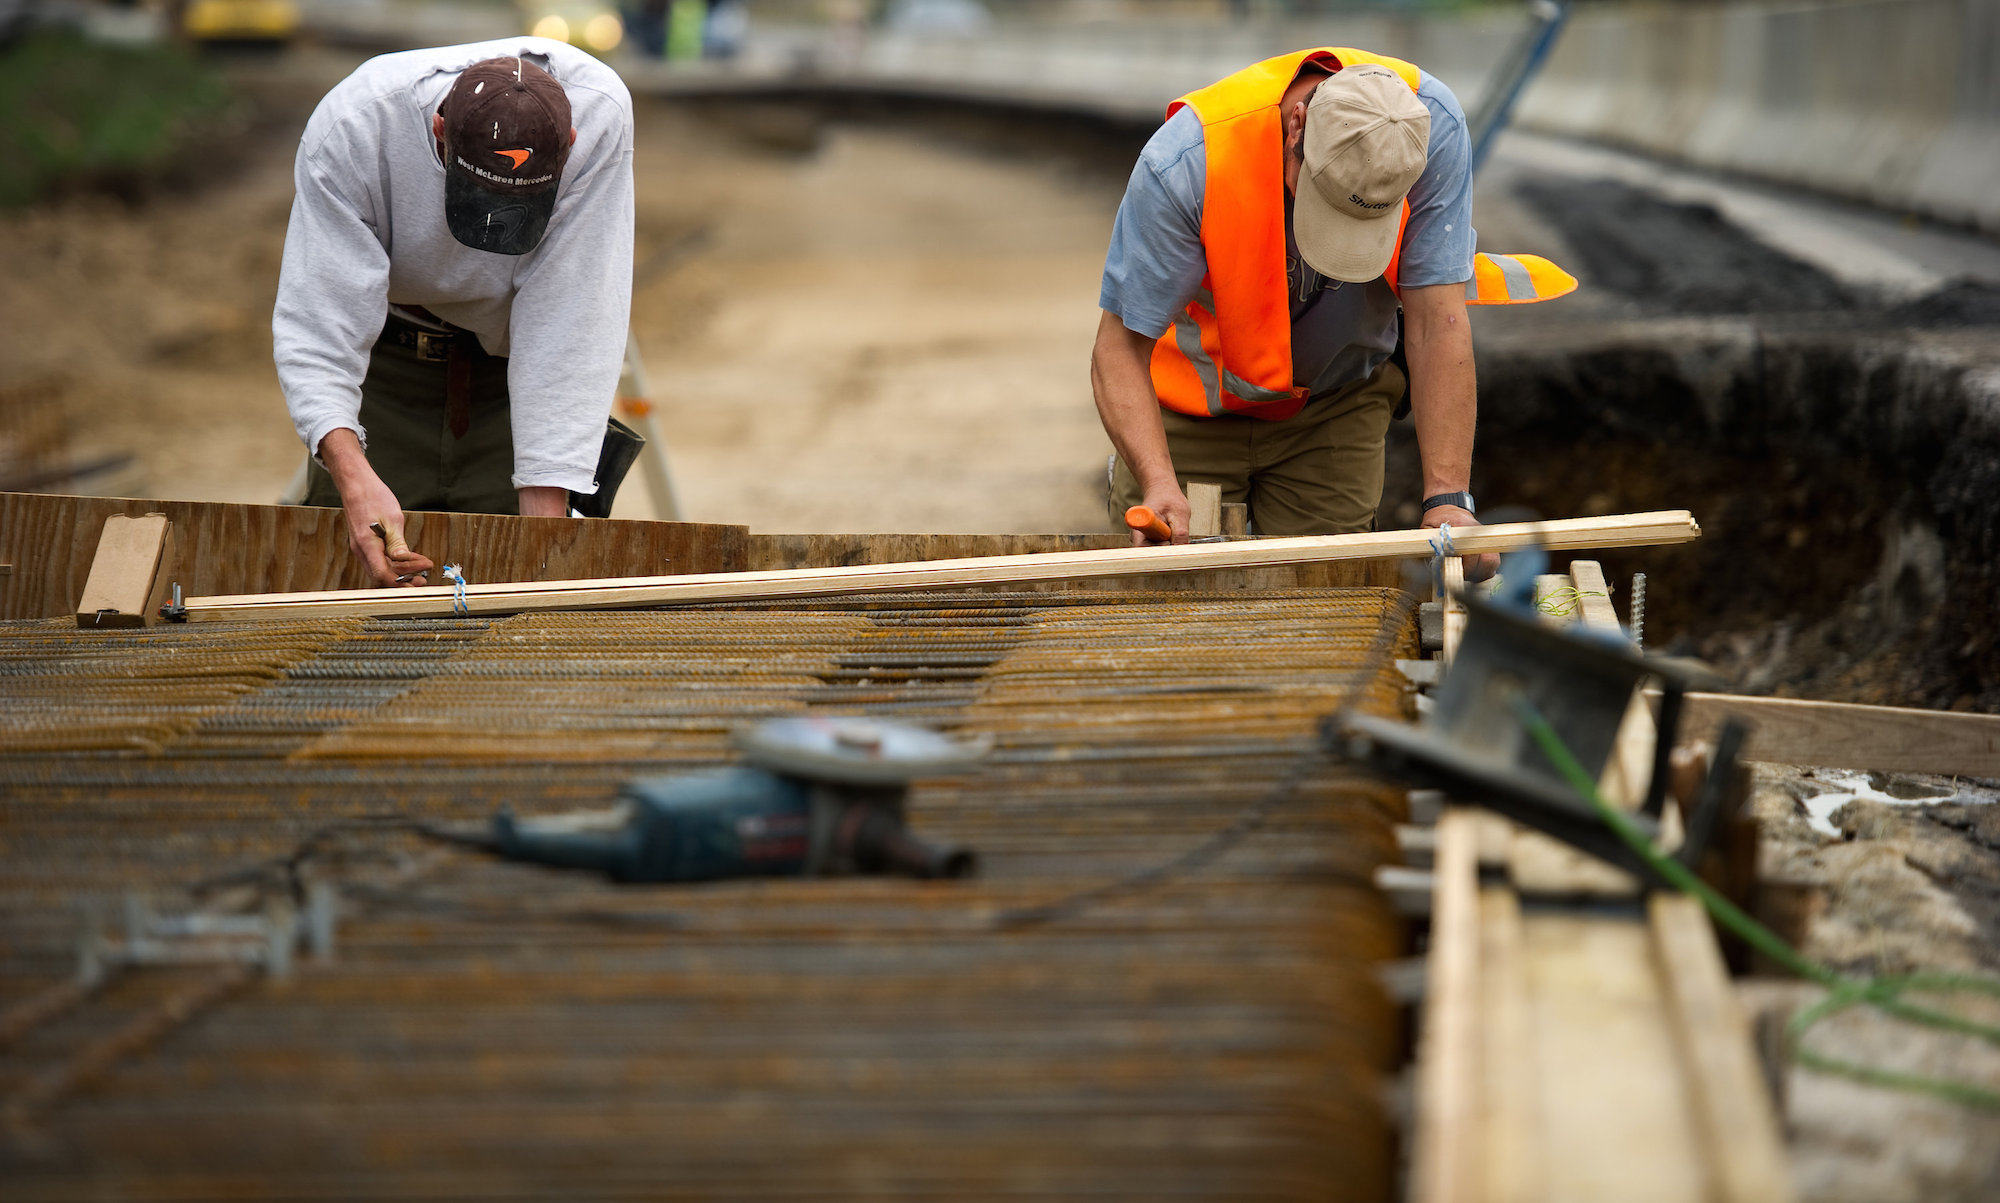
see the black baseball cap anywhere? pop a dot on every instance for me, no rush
(506, 138)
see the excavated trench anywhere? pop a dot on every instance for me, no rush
(1842, 455)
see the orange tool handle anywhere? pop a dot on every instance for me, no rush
(1140, 518)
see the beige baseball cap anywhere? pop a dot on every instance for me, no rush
(1366, 140)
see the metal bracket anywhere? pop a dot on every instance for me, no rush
(1474, 746)
(175, 610)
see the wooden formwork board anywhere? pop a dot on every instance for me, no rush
(224, 547)
(47, 542)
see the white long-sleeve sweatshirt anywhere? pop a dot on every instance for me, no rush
(367, 230)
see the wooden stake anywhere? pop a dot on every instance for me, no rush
(129, 577)
(1204, 510)
(1671, 526)
(1235, 520)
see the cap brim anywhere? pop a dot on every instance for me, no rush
(505, 223)
(1339, 245)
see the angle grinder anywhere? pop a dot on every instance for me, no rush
(814, 797)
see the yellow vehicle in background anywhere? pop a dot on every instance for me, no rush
(585, 24)
(240, 21)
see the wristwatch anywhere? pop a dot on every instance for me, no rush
(1462, 500)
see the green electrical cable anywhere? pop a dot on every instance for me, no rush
(1843, 992)
(1564, 600)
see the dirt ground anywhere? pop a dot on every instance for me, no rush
(845, 328)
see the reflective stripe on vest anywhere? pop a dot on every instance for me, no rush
(1515, 280)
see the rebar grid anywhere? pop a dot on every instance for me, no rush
(498, 1031)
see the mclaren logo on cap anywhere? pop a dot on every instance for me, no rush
(518, 157)
(484, 174)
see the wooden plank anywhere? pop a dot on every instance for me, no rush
(1846, 736)
(1672, 526)
(1745, 1151)
(1444, 1164)
(1612, 1089)
(225, 548)
(1511, 1134)
(1594, 606)
(128, 575)
(1452, 570)
(1204, 509)
(773, 552)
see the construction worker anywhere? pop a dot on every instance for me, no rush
(1279, 231)
(453, 305)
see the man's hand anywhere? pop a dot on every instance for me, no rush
(1477, 567)
(368, 503)
(1170, 506)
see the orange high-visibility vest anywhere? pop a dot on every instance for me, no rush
(1230, 351)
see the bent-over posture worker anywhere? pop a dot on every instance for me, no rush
(457, 281)
(1279, 230)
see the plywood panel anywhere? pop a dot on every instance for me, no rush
(228, 548)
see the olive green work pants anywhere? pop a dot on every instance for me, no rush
(1318, 472)
(410, 445)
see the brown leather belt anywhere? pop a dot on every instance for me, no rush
(455, 348)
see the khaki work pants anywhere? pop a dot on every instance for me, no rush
(1318, 472)
(410, 445)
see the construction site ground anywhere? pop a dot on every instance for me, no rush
(857, 325)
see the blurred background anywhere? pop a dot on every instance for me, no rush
(870, 234)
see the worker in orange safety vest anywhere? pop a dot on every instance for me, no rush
(1279, 232)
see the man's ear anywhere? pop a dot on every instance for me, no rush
(437, 126)
(1295, 124)
(572, 135)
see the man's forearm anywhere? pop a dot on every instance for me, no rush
(1122, 384)
(541, 502)
(341, 452)
(1444, 392)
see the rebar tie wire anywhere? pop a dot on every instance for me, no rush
(1884, 993)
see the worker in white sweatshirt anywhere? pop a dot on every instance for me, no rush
(456, 288)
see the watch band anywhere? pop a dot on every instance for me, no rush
(1462, 500)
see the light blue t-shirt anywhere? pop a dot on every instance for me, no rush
(1340, 332)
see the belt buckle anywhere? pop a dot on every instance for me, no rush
(435, 348)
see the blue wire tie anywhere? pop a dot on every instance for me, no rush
(1441, 542)
(457, 578)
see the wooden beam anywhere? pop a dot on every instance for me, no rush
(1841, 735)
(1594, 597)
(1674, 526)
(1445, 1163)
(1511, 1135)
(1452, 576)
(1746, 1155)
